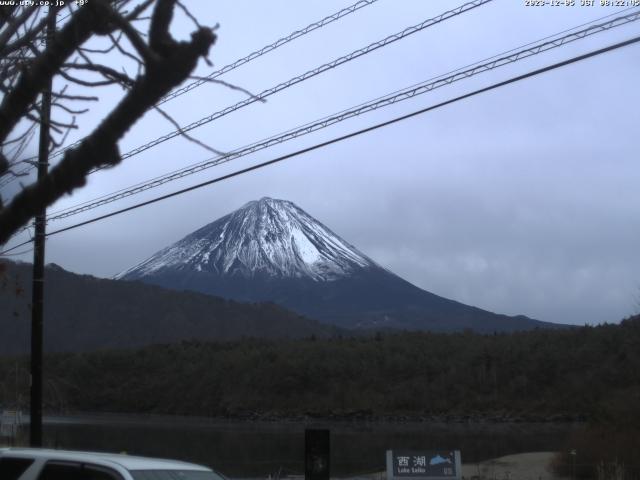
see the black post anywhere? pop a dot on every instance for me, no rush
(37, 296)
(317, 465)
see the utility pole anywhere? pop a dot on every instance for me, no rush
(37, 296)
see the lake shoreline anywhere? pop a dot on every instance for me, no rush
(256, 447)
(346, 418)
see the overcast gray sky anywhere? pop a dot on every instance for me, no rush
(520, 201)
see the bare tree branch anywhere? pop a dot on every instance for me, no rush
(78, 30)
(185, 134)
(159, 36)
(116, 43)
(31, 35)
(14, 26)
(85, 83)
(140, 9)
(230, 86)
(170, 63)
(147, 54)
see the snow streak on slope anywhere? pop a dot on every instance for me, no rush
(265, 237)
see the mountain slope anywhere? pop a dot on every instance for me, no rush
(271, 250)
(269, 237)
(85, 313)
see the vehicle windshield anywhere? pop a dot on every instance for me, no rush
(174, 475)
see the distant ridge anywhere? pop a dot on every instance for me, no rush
(84, 313)
(272, 250)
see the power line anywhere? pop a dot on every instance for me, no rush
(301, 78)
(232, 66)
(210, 162)
(5, 252)
(253, 55)
(348, 136)
(309, 74)
(268, 48)
(17, 254)
(418, 89)
(395, 97)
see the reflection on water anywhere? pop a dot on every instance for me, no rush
(256, 449)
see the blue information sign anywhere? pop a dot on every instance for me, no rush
(423, 465)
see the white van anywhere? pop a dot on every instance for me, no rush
(43, 464)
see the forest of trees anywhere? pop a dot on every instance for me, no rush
(586, 372)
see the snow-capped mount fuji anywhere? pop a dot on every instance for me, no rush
(271, 250)
(272, 238)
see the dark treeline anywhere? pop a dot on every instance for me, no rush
(538, 375)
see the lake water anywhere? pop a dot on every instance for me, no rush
(257, 449)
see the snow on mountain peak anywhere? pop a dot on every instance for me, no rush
(264, 237)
